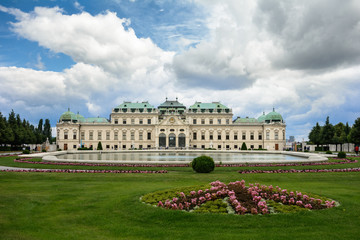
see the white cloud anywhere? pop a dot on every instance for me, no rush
(39, 64)
(103, 40)
(257, 55)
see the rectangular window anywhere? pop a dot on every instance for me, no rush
(124, 136)
(140, 146)
(107, 146)
(149, 136)
(276, 136)
(195, 146)
(116, 136)
(107, 135)
(91, 135)
(267, 135)
(194, 121)
(99, 135)
(227, 137)
(116, 121)
(219, 136)
(219, 146)
(211, 121)
(149, 121)
(252, 146)
(202, 121)
(140, 121)
(260, 146)
(202, 136)
(140, 136)
(251, 136)
(235, 137)
(260, 136)
(82, 135)
(74, 146)
(235, 146)
(132, 136)
(219, 121)
(132, 121)
(227, 121)
(124, 146)
(227, 146)
(203, 146)
(211, 137)
(243, 136)
(74, 135)
(194, 135)
(124, 121)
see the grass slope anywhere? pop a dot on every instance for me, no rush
(107, 206)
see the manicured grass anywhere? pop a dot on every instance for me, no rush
(107, 206)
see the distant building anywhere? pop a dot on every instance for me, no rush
(171, 125)
(291, 139)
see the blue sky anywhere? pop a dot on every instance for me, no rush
(303, 58)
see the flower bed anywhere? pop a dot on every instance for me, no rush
(300, 170)
(82, 171)
(236, 198)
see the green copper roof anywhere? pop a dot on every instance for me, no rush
(213, 105)
(171, 104)
(95, 120)
(79, 117)
(136, 105)
(262, 118)
(68, 116)
(273, 116)
(245, 120)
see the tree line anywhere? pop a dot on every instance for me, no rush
(15, 131)
(335, 134)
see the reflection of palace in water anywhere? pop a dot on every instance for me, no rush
(171, 125)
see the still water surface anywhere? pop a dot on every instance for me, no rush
(185, 157)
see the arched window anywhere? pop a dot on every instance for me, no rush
(162, 140)
(181, 140)
(172, 140)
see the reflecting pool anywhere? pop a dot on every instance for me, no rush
(179, 156)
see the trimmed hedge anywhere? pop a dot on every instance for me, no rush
(203, 164)
(341, 155)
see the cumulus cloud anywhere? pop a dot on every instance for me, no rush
(302, 58)
(103, 40)
(312, 34)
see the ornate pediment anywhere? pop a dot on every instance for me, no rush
(171, 121)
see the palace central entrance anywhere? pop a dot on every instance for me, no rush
(172, 140)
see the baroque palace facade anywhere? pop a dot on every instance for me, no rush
(171, 125)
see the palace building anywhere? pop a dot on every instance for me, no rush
(171, 125)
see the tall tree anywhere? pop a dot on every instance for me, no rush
(355, 132)
(339, 131)
(315, 135)
(327, 132)
(47, 129)
(39, 132)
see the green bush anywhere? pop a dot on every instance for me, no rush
(26, 151)
(99, 146)
(328, 152)
(243, 146)
(44, 150)
(341, 155)
(203, 164)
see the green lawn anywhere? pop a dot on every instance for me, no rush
(107, 206)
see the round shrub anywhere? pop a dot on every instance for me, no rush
(328, 152)
(341, 155)
(203, 164)
(26, 151)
